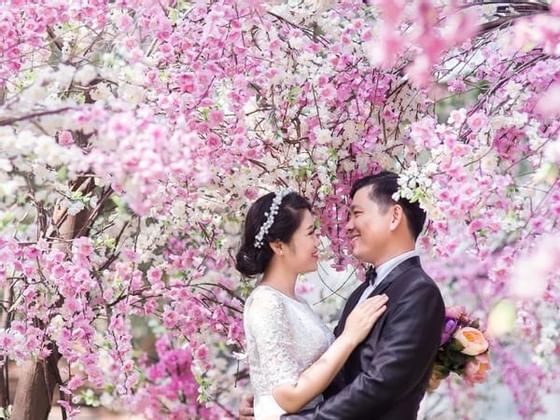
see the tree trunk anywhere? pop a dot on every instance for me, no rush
(36, 385)
(4, 396)
(34, 391)
(4, 373)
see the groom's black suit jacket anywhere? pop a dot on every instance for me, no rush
(386, 376)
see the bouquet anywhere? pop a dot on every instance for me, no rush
(463, 350)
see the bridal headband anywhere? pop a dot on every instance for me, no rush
(270, 215)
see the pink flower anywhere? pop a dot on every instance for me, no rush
(170, 319)
(460, 27)
(549, 103)
(186, 83)
(420, 70)
(455, 312)
(65, 138)
(477, 121)
(476, 370)
(83, 246)
(472, 340)
(392, 10)
(456, 85)
(202, 352)
(6, 340)
(32, 252)
(213, 141)
(251, 193)
(215, 118)
(155, 274)
(58, 271)
(130, 254)
(457, 116)
(385, 52)
(75, 383)
(475, 226)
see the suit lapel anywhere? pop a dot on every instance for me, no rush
(350, 303)
(396, 273)
(355, 296)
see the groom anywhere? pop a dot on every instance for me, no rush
(386, 377)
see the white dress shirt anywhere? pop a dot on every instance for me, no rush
(384, 269)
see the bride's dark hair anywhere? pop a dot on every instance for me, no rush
(250, 260)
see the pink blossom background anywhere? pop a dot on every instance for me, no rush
(151, 126)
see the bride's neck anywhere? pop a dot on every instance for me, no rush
(281, 279)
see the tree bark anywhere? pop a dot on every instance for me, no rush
(34, 391)
(4, 391)
(4, 373)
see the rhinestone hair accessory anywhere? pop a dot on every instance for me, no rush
(270, 215)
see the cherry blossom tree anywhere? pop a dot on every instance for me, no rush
(134, 134)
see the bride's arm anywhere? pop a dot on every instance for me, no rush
(315, 379)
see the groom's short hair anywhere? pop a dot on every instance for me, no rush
(382, 188)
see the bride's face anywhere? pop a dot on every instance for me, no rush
(303, 250)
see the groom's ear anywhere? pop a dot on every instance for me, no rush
(397, 216)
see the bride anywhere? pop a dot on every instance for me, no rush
(292, 355)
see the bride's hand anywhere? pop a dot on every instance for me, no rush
(363, 317)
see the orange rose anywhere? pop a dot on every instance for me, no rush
(472, 340)
(476, 370)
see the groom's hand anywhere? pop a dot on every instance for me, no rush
(246, 411)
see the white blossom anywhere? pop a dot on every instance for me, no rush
(85, 74)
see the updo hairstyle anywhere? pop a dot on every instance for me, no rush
(250, 260)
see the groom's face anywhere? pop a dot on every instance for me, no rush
(369, 227)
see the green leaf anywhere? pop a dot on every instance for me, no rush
(89, 398)
(6, 220)
(455, 345)
(62, 174)
(293, 94)
(203, 387)
(5, 412)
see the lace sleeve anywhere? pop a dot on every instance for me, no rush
(268, 328)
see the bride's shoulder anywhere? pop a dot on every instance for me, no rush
(264, 293)
(263, 297)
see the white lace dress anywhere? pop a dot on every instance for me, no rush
(284, 337)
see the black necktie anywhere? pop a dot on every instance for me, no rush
(371, 275)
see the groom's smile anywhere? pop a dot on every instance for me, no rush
(368, 227)
(354, 238)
